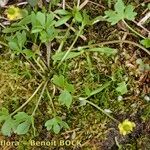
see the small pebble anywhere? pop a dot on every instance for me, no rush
(108, 111)
(147, 98)
(120, 98)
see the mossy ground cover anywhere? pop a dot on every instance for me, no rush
(92, 90)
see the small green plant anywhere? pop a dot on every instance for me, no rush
(26, 38)
(47, 41)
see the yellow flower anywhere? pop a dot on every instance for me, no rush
(126, 127)
(13, 13)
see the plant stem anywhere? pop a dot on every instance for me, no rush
(2, 25)
(24, 104)
(64, 4)
(4, 44)
(94, 105)
(64, 39)
(113, 42)
(141, 26)
(73, 29)
(89, 64)
(33, 127)
(33, 66)
(48, 46)
(70, 48)
(39, 65)
(37, 104)
(78, 4)
(133, 30)
(84, 4)
(51, 101)
(43, 63)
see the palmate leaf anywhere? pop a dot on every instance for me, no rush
(65, 98)
(49, 124)
(8, 125)
(56, 124)
(7, 128)
(121, 12)
(119, 7)
(14, 46)
(52, 124)
(60, 81)
(23, 127)
(129, 13)
(112, 17)
(4, 113)
(21, 116)
(22, 123)
(69, 87)
(56, 128)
